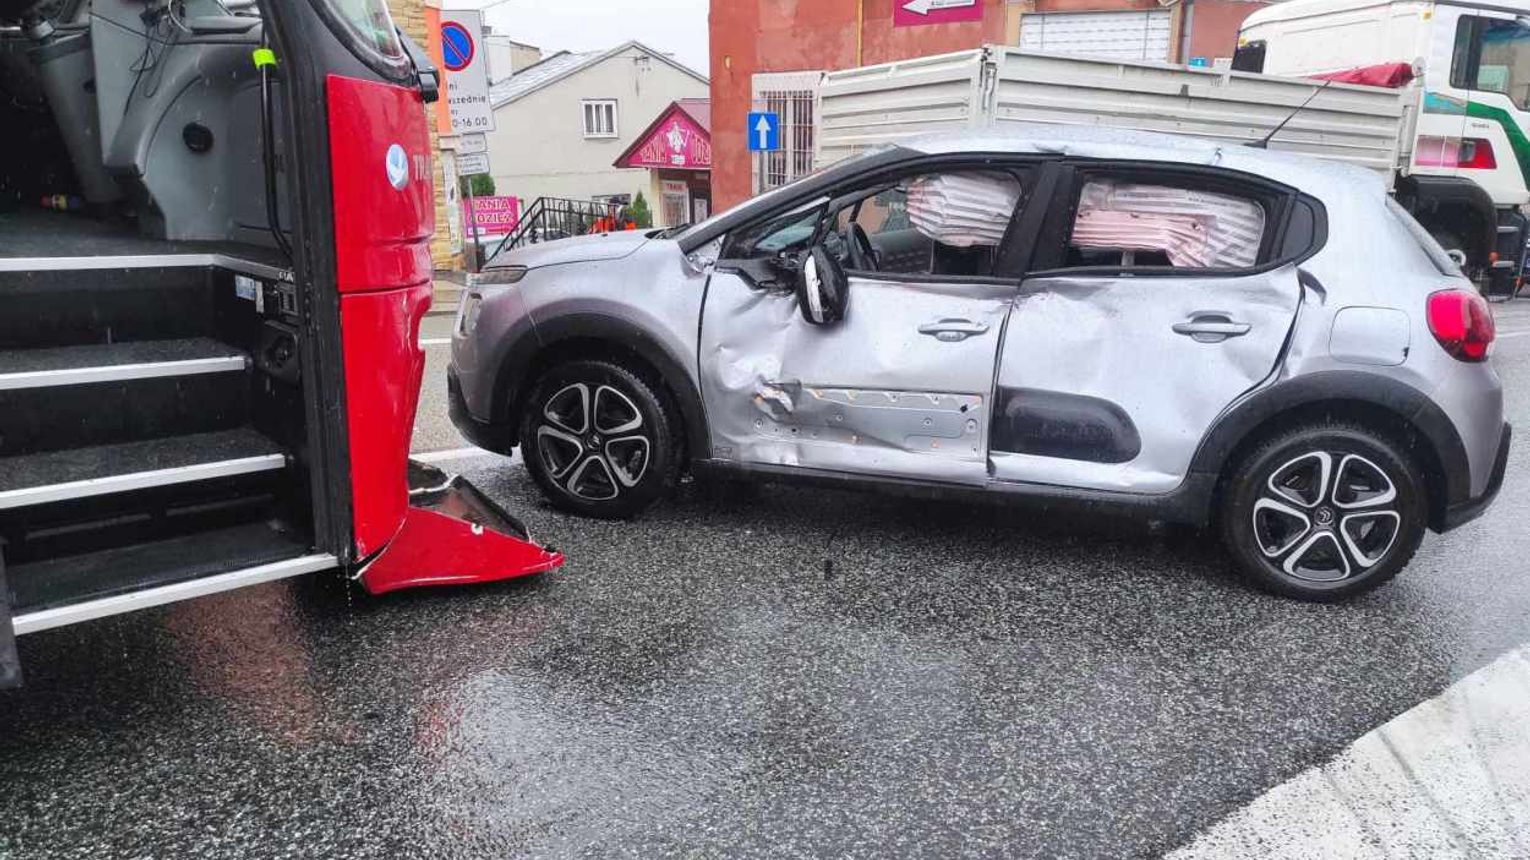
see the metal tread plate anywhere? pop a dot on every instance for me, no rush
(55, 590)
(114, 362)
(54, 476)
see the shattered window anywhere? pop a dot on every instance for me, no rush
(1140, 224)
(791, 231)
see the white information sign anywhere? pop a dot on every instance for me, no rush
(474, 164)
(465, 62)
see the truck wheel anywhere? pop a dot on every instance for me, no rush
(1323, 511)
(599, 440)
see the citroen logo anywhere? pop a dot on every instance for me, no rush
(398, 167)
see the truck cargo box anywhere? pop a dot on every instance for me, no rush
(994, 85)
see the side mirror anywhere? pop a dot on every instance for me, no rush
(425, 74)
(822, 288)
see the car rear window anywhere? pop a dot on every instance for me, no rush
(1426, 242)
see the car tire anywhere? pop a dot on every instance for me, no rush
(599, 440)
(1322, 512)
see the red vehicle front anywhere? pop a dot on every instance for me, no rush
(214, 260)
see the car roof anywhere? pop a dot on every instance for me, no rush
(1329, 181)
(1322, 178)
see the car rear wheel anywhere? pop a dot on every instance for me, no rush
(598, 440)
(1324, 512)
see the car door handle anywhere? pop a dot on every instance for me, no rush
(1212, 328)
(953, 331)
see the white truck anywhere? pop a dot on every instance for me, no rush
(1382, 128)
(1471, 99)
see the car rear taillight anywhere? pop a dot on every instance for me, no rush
(1463, 323)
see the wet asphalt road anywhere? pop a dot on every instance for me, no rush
(782, 672)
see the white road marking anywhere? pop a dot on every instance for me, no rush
(435, 341)
(1513, 334)
(453, 454)
(1449, 778)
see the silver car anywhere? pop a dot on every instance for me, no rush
(1195, 333)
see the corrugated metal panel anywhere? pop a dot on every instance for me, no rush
(864, 107)
(891, 102)
(1131, 35)
(1358, 125)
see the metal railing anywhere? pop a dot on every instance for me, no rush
(551, 218)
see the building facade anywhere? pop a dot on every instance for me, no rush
(507, 56)
(676, 150)
(563, 122)
(767, 55)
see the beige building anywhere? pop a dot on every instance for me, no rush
(507, 56)
(562, 123)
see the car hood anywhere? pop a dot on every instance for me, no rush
(580, 249)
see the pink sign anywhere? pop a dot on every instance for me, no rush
(677, 143)
(494, 216)
(913, 13)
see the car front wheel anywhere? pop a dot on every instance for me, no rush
(598, 440)
(1323, 512)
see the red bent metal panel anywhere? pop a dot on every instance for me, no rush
(435, 549)
(384, 218)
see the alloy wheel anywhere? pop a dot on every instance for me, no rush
(593, 441)
(1327, 516)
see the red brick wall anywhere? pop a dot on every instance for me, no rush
(750, 36)
(1214, 28)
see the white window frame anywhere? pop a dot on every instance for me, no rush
(794, 96)
(592, 109)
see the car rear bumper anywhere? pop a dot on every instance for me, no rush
(493, 437)
(1464, 512)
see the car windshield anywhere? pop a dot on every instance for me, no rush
(848, 166)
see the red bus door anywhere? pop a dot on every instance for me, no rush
(368, 142)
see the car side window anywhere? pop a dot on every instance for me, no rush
(933, 223)
(1158, 222)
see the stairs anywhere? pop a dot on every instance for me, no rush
(101, 470)
(142, 449)
(92, 363)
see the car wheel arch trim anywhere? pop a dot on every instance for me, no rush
(512, 383)
(1266, 406)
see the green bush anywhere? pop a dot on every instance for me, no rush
(477, 185)
(639, 213)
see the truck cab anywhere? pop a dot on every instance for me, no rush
(214, 230)
(1465, 171)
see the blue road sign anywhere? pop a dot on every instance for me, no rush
(764, 132)
(457, 46)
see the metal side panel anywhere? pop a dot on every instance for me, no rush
(865, 107)
(10, 664)
(47, 619)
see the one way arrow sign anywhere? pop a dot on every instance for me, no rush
(764, 132)
(910, 13)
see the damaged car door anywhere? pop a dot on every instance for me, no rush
(1161, 296)
(900, 385)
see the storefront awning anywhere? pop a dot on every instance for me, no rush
(680, 139)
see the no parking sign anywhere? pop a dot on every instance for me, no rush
(458, 47)
(454, 44)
